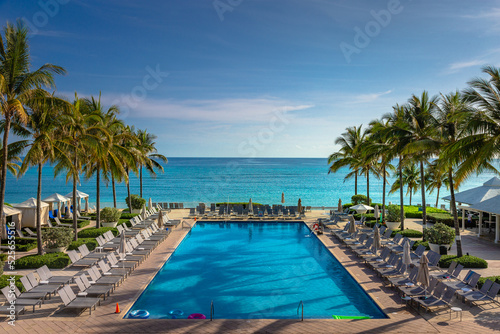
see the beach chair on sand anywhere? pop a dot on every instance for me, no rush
(70, 300)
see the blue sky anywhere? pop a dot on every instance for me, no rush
(262, 78)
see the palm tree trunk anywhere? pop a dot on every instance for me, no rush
(453, 208)
(411, 192)
(75, 221)
(141, 179)
(401, 198)
(368, 187)
(98, 200)
(39, 211)
(383, 195)
(422, 183)
(355, 182)
(114, 190)
(128, 192)
(437, 197)
(3, 176)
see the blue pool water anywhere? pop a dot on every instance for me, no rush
(254, 271)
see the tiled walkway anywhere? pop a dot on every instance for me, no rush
(52, 319)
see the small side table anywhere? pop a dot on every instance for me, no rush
(456, 310)
(406, 300)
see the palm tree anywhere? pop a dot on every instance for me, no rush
(346, 155)
(44, 145)
(368, 162)
(98, 162)
(411, 179)
(18, 84)
(78, 131)
(14, 149)
(435, 179)
(422, 126)
(149, 157)
(453, 112)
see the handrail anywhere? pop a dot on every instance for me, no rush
(301, 303)
(212, 310)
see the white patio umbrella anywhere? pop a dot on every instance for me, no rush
(361, 208)
(376, 240)
(150, 204)
(406, 254)
(122, 250)
(143, 212)
(423, 273)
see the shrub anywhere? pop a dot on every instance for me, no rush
(110, 215)
(3, 257)
(369, 216)
(468, 261)
(57, 237)
(79, 223)
(22, 244)
(125, 221)
(5, 282)
(444, 218)
(413, 211)
(136, 201)
(440, 234)
(481, 281)
(95, 232)
(393, 213)
(1, 267)
(128, 215)
(359, 199)
(90, 242)
(420, 242)
(52, 260)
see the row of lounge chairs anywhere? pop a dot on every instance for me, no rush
(389, 265)
(240, 212)
(103, 270)
(169, 206)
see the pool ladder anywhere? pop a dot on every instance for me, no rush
(301, 304)
(212, 310)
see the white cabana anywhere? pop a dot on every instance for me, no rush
(59, 199)
(28, 210)
(12, 215)
(491, 206)
(79, 196)
(488, 190)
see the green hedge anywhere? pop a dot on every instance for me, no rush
(369, 217)
(2, 264)
(481, 281)
(420, 242)
(125, 221)
(52, 260)
(4, 282)
(22, 244)
(3, 257)
(468, 261)
(79, 223)
(126, 215)
(408, 233)
(90, 242)
(95, 232)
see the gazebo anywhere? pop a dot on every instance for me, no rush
(29, 210)
(480, 199)
(59, 199)
(79, 196)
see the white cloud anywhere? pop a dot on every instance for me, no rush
(455, 67)
(363, 98)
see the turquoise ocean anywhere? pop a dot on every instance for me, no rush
(194, 180)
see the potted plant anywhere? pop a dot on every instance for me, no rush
(56, 240)
(136, 202)
(393, 217)
(439, 235)
(110, 217)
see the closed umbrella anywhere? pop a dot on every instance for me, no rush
(68, 215)
(423, 273)
(160, 219)
(406, 254)
(352, 225)
(121, 249)
(250, 207)
(299, 206)
(376, 241)
(339, 208)
(282, 198)
(143, 212)
(150, 204)
(375, 212)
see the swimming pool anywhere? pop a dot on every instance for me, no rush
(254, 270)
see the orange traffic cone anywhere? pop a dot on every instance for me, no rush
(117, 308)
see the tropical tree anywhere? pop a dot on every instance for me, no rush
(14, 151)
(149, 156)
(435, 179)
(18, 84)
(411, 179)
(347, 155)
(368, 162)
(80, 132)
(43, 146)
(421, 126)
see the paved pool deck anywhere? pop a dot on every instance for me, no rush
(52, 318)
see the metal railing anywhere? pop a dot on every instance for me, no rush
(298, 307)
(212, 310)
